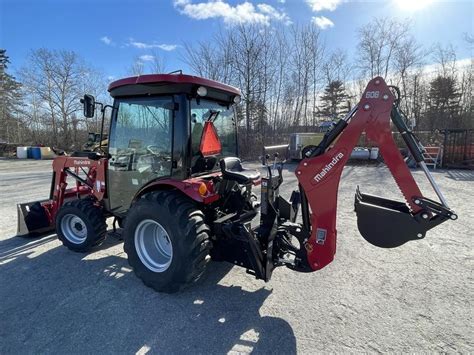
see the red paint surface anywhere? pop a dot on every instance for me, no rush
(173, 79)
(322, 194)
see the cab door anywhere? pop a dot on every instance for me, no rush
(140, 145)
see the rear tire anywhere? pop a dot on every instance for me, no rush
(166, 240)
(80, 225)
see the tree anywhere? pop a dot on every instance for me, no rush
(443, 109)
(246, 43)
(378, 42)
(334, 100)
(157, 63)
(408, 61)
(11, 101)
(210, 59)
(445, 57)
(337, 67)
(137, 67)
(57, 79)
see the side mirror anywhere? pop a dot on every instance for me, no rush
(89, 105)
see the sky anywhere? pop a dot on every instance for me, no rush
(110, 34)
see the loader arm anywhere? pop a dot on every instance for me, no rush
(382, 222)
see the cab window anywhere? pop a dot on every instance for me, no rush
(223, 119)
(142, 140)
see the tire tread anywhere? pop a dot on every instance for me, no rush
(191, 226)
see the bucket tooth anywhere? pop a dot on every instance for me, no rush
(386, 223)
(32, 220)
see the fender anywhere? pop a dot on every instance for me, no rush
(189, 187)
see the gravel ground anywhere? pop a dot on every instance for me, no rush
(416, 298)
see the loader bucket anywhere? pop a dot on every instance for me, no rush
(33, 220)
(386, 223)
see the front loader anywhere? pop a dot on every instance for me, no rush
(171, 178)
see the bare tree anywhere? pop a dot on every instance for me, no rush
(282, 72)
(445, 57)
(137, 67)
(378, 41)
(210, 59)
(246, 45)
(337, 67)
(408, 59)
(157, 63)
(305, 50)
(57, 79)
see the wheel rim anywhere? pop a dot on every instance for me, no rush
(74, 228)
(153, 245)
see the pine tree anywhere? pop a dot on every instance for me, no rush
(443, 103)
(334, 100)
(10, 101)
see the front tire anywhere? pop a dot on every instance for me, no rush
(166, 241)
(80, 225)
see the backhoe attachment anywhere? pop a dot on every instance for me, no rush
(382, 222)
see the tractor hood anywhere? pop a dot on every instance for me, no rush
(165, 84)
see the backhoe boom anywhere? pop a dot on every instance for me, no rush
(320, 172)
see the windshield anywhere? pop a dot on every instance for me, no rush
(223, 118)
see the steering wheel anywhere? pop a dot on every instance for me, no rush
(153, 149)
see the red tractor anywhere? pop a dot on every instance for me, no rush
(171, 177)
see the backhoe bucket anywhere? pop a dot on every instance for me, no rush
(32, 220)
(386, 223)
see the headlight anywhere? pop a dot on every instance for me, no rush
(202, 91)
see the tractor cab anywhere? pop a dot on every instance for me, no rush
(167, 128)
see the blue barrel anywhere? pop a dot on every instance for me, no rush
(29, 152)
(36, 152)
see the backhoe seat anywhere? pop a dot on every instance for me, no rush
(232, 169)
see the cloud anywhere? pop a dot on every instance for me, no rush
(244, 13)
(320, 5)
(143, 45)
(146, 57)
(274, 14)
(107, 40)
(167, 47)
(322, 22)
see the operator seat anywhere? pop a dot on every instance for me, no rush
(232, 169)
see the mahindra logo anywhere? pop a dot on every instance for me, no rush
(318, 177)
(82, 162)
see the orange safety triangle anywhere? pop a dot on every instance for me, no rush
(210, 142)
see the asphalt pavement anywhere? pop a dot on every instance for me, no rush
(416, 298)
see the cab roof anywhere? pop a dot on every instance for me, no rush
(162, 84)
